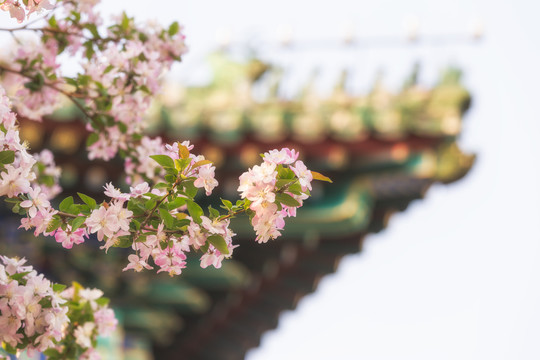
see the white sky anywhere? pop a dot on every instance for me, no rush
(457, 275)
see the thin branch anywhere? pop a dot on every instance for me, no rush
(69, 95)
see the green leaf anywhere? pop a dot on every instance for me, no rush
(74, 209)
(161, 185)
(136, 205)
(33, 86)
(149, 205)
(54, 223)
(282, 182)
(295, 188)
(145, 89)
(102, 301)
(136, 225)
(201, 163)
(227, 203)
(7, 156)
(52, 353)
(167, 218)
(163, 160)
(58, 287)
(176, 203)
(173, 28)
(191, 190)
(88, 200)
(47, 180)
(204, 248)
(285, 173)
(181, 223)
(52, 21)
(183, 151)
(19, 276)
(219, 243)
(125, 22)
(213, 213)
(319, 176)
(10, 349)
(92, 138)
(108, 69)
(123, 241)
(77, 222)
(122, 127)
(287, 199)
(66, 203)
(181, 164)
(93, 29)
(195, 211)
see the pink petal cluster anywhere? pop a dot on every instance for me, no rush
(167, 252)
(30, 311)
(198, 235)
(19, 178)
(258, 185)
(102, 321)
(109, 221)
(68, 237)
(128, 67)
(34, 103)
(18, 9)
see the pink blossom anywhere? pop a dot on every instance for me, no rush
(304, 175)
(83, 334)
(197, 237)
(37, 201)
(90, 354)
(136, 264)
(108, 221)
(214, 226)
(68, 238)
(214, 259)
(171, 259)
(105, 321)
(283, 156)
(115, 193)
(12, 182)
(206, 178)
(140, 189)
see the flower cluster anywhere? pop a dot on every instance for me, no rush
(90, 317)
(31, 67)
(121, 67)
(21, 174)
(32, 312)
(21, 9)
(37, 315)
(274, 190)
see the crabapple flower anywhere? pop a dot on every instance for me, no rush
(83, 334)
(136, 264)
(37, 201)
(269, 203)
(206, 178)
(68, 238)
(304, 175)
(284, 156)
(105, 321)
(30, 314)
